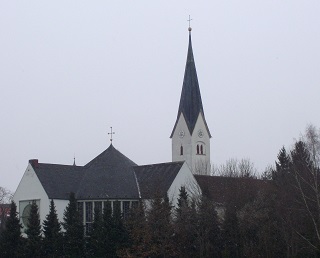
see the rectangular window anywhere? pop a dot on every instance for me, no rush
(116, 207)
(80, 209)
(107, 205)
(98, 205)
(89, 212)
(125, 209)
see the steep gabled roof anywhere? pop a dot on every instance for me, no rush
(155, 180)
(190, 101)
(58, 180)
(109, 175)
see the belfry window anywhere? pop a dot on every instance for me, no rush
(181, 150)
(201, 148)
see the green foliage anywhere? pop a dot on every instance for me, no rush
(209, 234)
(52, 242)
(185, 226)
(107, 227)
(33, 231)
(119, 236)
(74, 231)
(160, 228)
(261, 227)
(97, 236)
(231, 233)
(138, 233)
(10, 239)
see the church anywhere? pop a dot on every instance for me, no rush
(113, 177)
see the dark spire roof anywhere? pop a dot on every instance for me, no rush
(190, 101)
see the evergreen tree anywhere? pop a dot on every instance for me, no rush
(138, 233)
(52, 242)
(185, 226)
(160, 228)
(282, 172)
(118, 233)
(10, 239)
(33, 231)
(107, 227)
(231, 233)
(96, 241)
(74, 231)
(209, 234)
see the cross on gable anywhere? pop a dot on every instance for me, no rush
(111, 133)
(189, 21)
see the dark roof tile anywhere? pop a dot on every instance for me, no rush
(59, 180)
(155, 180)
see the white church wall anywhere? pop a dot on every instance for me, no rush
(60, 207)
(200, 137)
(186, 179)
(30, 189)
(179, 140)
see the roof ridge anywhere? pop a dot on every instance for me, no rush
(162, 163)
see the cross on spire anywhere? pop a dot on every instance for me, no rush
(111, 133)
(189, 20)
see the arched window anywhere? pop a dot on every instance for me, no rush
(197, 148)
(201, 149)
(181, 150)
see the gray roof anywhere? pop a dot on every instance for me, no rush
(58, 180)
(110, 175)
(190, 100)
(155, 180)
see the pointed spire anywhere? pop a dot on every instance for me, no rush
(190, 100)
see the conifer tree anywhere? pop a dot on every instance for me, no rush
(74, 231)
(107, 227)
(231, 232)
(282, 172)
(209, 234)
(138, 233)
(10, 239)
(96, 242)
(52, 242)
(118, 233)
(185, 226)
(160, 228)
(33, 231)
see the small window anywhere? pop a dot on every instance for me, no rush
(89, 212)
(116, 206)
(98, 205)
(201, 149)
(197, 149)
(181, 150)
(80, 209)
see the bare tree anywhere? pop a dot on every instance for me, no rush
(236, 168)
(203, 168)
(5, 195)
(306, 174)
(5, 199)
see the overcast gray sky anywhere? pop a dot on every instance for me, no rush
(71, 69)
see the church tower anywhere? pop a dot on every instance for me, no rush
(190, 135)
